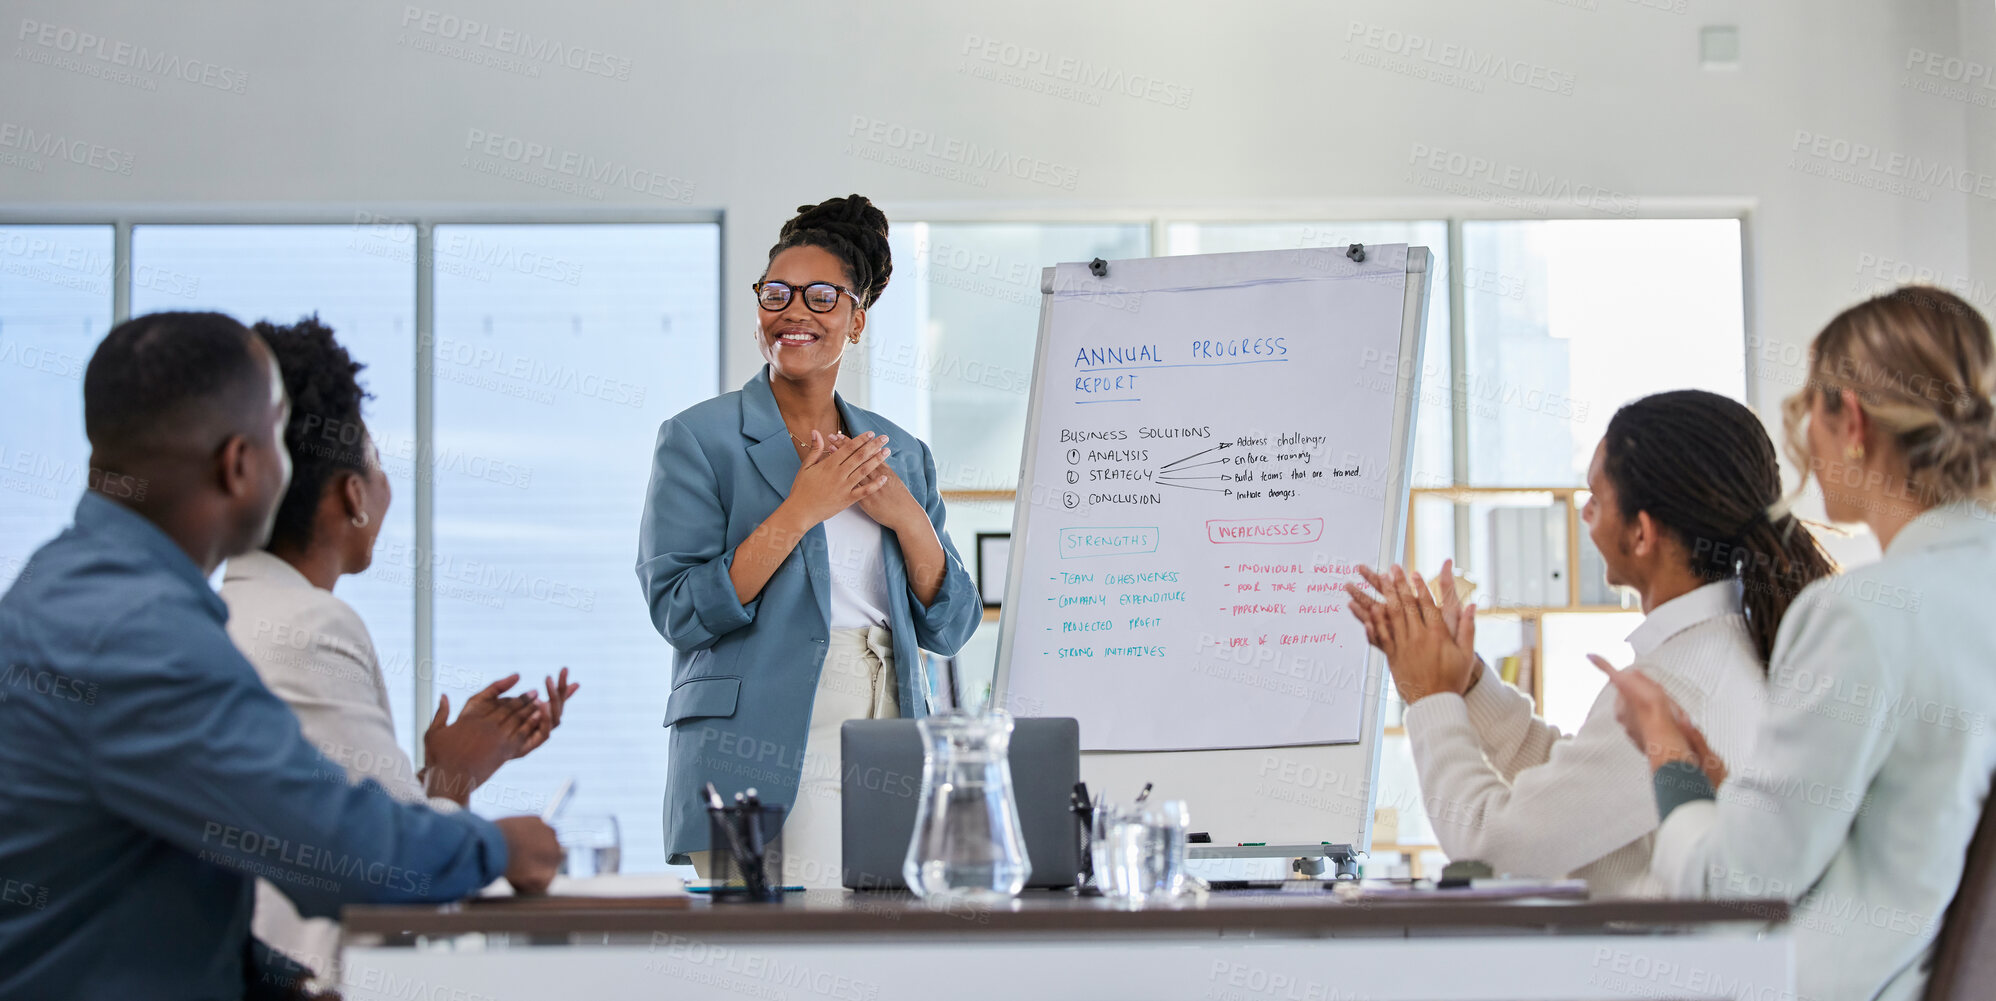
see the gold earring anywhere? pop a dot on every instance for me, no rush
(1853, 453)
(360, 522)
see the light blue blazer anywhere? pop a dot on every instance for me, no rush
(744, 676)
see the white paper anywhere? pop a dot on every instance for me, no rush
(1209, 463)
(601, 886)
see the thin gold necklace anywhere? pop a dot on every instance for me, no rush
(801, 443)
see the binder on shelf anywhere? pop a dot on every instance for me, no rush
(1504, 577)
(1553, 523)
(1528, 557)
(1529, 523)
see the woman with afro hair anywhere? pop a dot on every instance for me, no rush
(313, 650)
(792, 552)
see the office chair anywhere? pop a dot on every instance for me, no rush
(1965, 954)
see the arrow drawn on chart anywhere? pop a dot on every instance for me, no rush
(1175, 479)
(1195, 455)
(1196, 465)
(1210, 490)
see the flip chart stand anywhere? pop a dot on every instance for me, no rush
(1121, 607)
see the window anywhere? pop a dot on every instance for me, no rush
(559, 351)
(1563, 322)
(559, 348)
(55, 305)
(1587, 315)
(361, 281)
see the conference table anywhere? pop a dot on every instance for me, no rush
(1226, 946)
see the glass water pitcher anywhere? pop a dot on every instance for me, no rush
(967, 843)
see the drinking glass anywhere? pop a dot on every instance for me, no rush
(591, 844)
(1139, 851)
(1165, 825)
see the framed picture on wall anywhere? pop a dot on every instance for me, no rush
(994, 550)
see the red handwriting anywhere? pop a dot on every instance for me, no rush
(1265, 531)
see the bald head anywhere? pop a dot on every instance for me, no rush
(190, 405)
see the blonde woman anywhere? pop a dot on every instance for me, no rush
(1871, 765)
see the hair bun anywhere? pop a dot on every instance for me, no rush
(1980, 427)
(851, 227)
(850, 212)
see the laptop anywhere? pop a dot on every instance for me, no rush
(882, 760)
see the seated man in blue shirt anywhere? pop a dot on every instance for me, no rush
(146, 775)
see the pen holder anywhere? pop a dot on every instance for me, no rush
(1084, 880)
(738, 872)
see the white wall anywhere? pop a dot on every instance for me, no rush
(752, 107)
(1978, 38)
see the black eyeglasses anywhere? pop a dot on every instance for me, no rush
(819, 297)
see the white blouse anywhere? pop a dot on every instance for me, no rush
(1505, 787)
(855, 548)
(313, 651)
(1871, 765)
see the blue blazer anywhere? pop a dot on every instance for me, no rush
(744, 676)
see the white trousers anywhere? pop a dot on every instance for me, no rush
(856, 682)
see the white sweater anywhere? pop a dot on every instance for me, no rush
(1871, 767)
(1505, 787)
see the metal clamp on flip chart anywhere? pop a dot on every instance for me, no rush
(1099, 268)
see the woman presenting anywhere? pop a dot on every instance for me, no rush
(792, 552)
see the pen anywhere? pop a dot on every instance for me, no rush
(720, 814)
(1084, 812)
(559, 800)
(1145, 794)
(752, 817)
(752, 812)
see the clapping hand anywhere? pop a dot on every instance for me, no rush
(1657, 724)
(559, 692)
(1429, 648)
(490, 731)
